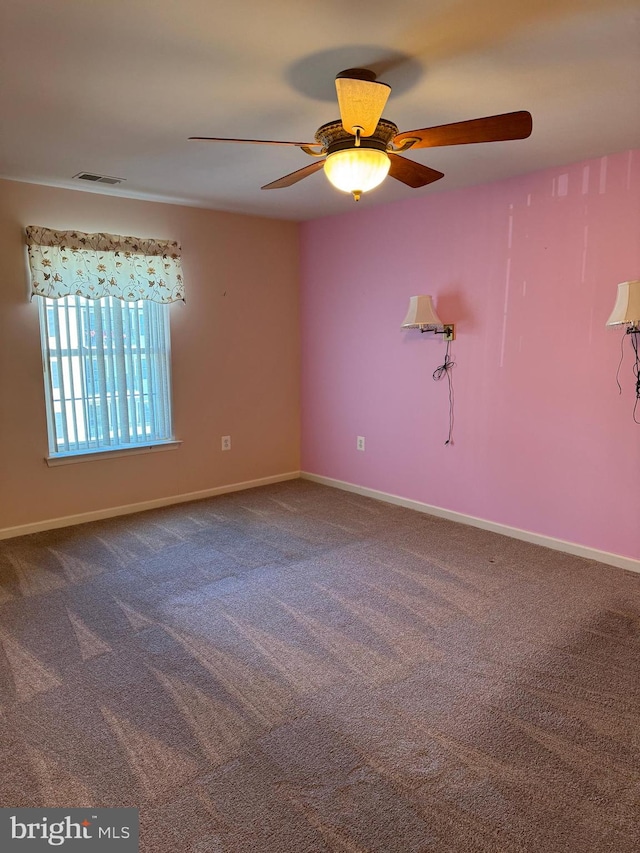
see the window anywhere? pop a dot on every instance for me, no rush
(104, 321)
(107, 373)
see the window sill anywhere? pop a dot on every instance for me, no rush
(107, 453)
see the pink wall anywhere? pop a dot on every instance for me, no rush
(527, 269)
(235, 357)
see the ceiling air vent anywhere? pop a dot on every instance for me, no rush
(98, 179)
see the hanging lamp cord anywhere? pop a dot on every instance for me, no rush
(440, 372)
(634, 334)
(636, 373)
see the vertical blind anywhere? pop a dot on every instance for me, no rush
(104, 320)
(107, 373)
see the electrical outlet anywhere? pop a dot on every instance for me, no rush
(360, 442)
(226, 442)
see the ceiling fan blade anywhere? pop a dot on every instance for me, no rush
(490, 129)
(411, 173)
(294, 177)
(254, 141)
(361, 103)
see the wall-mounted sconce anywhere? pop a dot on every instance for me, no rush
(421, 315)
(626, 312)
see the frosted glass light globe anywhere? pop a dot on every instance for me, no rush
(357, 170)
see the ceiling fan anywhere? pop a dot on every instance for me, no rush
(361, 148)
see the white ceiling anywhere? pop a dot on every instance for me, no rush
(116, 87)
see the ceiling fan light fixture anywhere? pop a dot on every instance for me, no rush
(357, 170)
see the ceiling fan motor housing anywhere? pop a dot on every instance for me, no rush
(333, 137)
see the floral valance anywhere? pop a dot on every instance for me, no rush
(70, 263)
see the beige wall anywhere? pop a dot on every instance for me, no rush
(235, 356)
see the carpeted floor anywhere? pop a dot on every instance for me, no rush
(296, 669)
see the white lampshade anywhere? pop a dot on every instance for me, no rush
(627, 307)
(357, 170)
(421, 313)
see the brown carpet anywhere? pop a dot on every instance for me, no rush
(297, 669)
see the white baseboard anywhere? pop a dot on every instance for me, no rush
(514, 532)
(128, 509)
